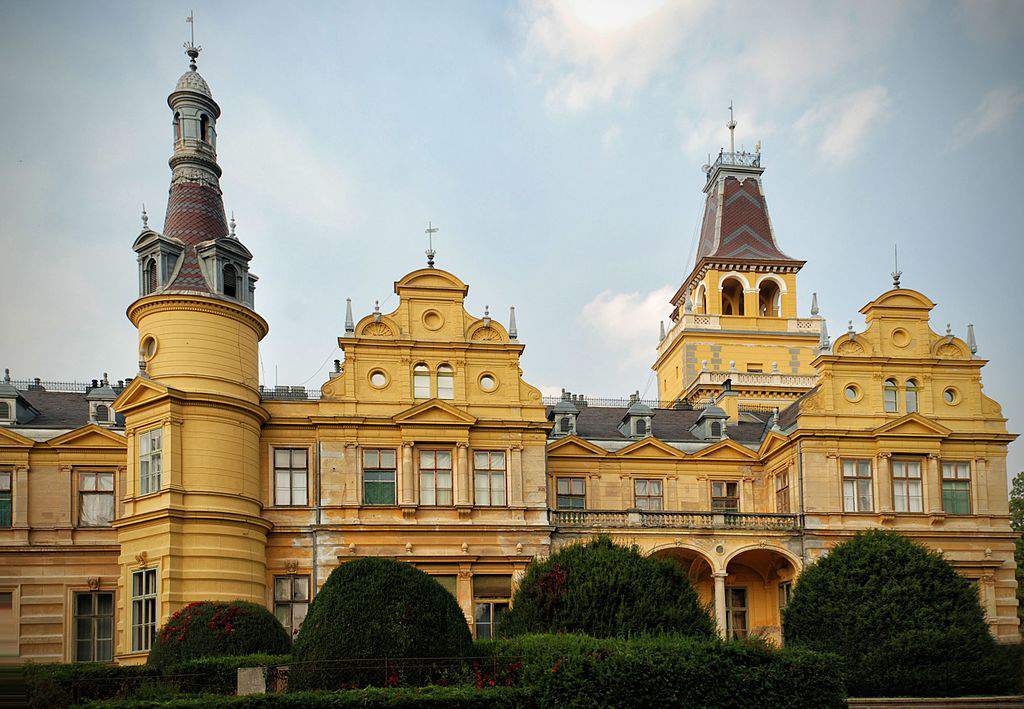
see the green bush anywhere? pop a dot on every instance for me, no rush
(580, 671)
(394, 697)
(61, 685)
(216, 675)
(369, 611)
(898, 614)
(215, 629)
(604, 590)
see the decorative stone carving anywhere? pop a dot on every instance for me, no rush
(378, 329)
(850, 347)
(142, 559)
(486, 334)
(291, 566)
(93, 582)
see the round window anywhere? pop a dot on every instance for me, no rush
(951, 396)
(147, 348)
(852, 392)
(378, 378)
(488, 382)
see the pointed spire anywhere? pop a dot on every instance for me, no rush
(145, 217)
(191, 50)
(231, 226)
(731, 125)
(661, 330)
(896, 272)
(823, 342)
(513, 331)
(971, 342)
(814, 304)
(350, 326)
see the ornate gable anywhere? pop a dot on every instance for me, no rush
(434, 412)
(913, 426)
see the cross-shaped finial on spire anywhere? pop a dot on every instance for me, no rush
(190, 46)
(430, 231)
(896, 273)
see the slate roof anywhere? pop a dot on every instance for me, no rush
(743, 232)
(58, 409)
(788, 416)
(602, 423)
(195, 214)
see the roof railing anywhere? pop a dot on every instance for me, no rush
(736, 159)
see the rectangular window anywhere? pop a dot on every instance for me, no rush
(725, 496)
(95, 499)
(736, 612)
(906, 485)
(150, 460)
(857, 496)
(489, 478)
(956, 488)
(782, 492)
(94, 626)
(491, 594)
(291, 601)
(291, 475)
(435, 477)
(571, 493)
(143, 609)
(648, 494)
(379, 476)
(755, 367)
(6, 498)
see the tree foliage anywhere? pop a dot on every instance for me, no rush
(604, 590)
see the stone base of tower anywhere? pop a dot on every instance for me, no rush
(196, 556)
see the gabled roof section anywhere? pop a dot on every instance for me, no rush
(772, 442)
(913, 425)
(726, 449)
(434, 413)
(736, 224)
(11, 439)
(140, 392)
(649, 447)
(431, 279)
(88, 436)
(574, 445)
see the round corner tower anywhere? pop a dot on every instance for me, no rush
(191, 528)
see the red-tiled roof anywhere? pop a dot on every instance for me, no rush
(743, 231)
(195, 214)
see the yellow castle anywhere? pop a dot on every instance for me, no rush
(122, 502)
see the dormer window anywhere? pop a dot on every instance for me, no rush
(102, 413)
(5, 411)
(149, 279)
(230, 276)
(565, 425)
(716, 429)
(640, 427)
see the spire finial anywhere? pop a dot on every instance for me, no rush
(350, 327)
(823, 342)
(949, 331)
(232, 225)
(896, 273)
(814, 303)
(376, 311)
(7, 375)
(971, 342)
(487, 316)
(731, 125)
(191, 50)
(513, 331)
(145, 217)
(430, 231)
(661, 331)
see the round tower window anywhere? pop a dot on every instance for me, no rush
(147, 348)
(852, 392)
(488, 382)
(951, 396)
(378, 378)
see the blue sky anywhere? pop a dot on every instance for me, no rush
(558, 147)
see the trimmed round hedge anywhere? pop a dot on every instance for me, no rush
(370, 612)
(605, 590)
(903, 620)
(216, 629)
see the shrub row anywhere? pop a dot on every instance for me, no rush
(457, 697)
(581, 671)
(66, 684)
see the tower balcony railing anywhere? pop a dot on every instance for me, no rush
(644, 519)
(772, 380)
(739, 158)
(708, 321)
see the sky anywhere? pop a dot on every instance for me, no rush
(556, 145)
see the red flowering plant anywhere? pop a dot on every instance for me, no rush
(213, 628)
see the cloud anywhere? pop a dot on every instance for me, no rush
(996, 109)
(840, 126)
(992, 20)
(589, 52)
(628, 322)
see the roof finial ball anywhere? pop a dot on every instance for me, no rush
(145, 217)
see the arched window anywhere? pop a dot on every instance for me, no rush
(912, 390)
(702, 302)
(768, 299)
(716, 429)
(102, 413)
(890, 396)
(230, 277)
(204, 128)
(177, 127)
(149, 277)
(565, 425)
(641, 427)
(732, 297)
(5, 410)
(421, 381)
(445, 382)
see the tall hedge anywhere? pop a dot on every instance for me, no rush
(370, 612)
(213, 628)
(601, 589)
(901, 618)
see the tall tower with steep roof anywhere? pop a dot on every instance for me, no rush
(734, 317)
(192, 526)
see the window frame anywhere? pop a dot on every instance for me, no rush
(911, 396)
(447, 372)
(490, 472)
(290, 470)
(143, 630)
(731, 611)
(421, 371)
(435, 489)
(956, 478)
(658, 498)
(895, 461)
(149, 457)
(380, 470)
(720, 509)
(890, 389)
(6, 496)
(493, 604)
(782, 492)
(292, 602)
(856, 479)
(95, 473)
(570, 495)
(94, 617)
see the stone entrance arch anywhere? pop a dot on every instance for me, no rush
(699, 570)
(753, 590)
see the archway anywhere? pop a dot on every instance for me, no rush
(757, 587)
(732, 297)
(768, 298)
(698, 570)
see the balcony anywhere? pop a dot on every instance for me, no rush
(615, 519)
(752, 380)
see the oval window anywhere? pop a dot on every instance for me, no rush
(950, 396)
(851, 392)
(488, 382)
(148, 347)
(378, 379)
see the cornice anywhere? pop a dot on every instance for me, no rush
(162, 302)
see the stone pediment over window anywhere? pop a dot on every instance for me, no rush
(649, 448)
(571, 445)
(726, 450)
(89, 436)
(434, 412)
(913, 425)
(14, 440)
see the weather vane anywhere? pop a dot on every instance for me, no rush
(190, 47)
(430, 231)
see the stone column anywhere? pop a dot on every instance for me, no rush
(350, 475)
(835, 466)
(883, 486)
(980, 484)
(750, 304)
(463, 491)
(934, 484)
(407, 476)
(515, 472)
(720, 602)
(19, 512)
(703, 493)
